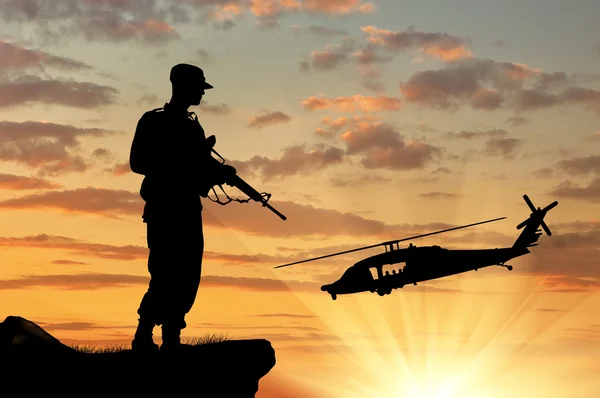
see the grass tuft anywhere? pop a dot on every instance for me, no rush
(196, 341)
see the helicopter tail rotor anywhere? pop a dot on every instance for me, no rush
(537, 215)
(531, 233)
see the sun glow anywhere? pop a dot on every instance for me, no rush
(466, 343)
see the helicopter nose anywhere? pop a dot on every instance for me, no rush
(325, 288)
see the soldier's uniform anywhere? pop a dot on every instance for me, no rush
(169, 149)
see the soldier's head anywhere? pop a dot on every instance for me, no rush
(188, 83)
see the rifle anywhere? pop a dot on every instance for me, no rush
(239, 183)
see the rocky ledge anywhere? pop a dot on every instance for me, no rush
(37, 362)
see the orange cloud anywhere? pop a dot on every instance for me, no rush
(353, 103)
(100, 201)
(337, 6)
(76, 247)
(440, 45)
(13, 56)
(121, 169)
(94, 281)
(14, 182)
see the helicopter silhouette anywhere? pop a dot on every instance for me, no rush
(431, 262)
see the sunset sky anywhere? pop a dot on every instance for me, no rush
(366, 121)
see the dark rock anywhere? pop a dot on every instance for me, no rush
(41, 363)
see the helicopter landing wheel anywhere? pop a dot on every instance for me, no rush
(510, 267)
(334, 296)
(381, 293)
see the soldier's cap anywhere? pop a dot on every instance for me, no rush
(182, 73)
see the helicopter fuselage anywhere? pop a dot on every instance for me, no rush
(421, 264)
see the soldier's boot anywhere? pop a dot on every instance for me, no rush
(171, 338)
(143, 341)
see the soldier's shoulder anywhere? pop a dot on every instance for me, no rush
(153, 114)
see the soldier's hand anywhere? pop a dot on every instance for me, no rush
(211, 141)
(228, 173)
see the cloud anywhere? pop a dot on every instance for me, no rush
(295, 160)
(326, 31)
(593, 137)
(204, 56)
(51, 148)
(76, 247)
(306, 221)
(252, 218)
(439, 195)
(352, 103)
(332, 127)
(151, 21)
(380, 47)
(16, 57)
(98, 201)
(90, 281)
(301, 316)
(332, 57)
(106, 20)
(268, 119)
(486, 84)
(517, 121)
(495, 133)
(378, 145)
(121, 169)
(568, 189)
(95, 281)
(218, 109)
(359, 180)
(383, 147)
(440, 45)
(27, 90)
(69, 262)
(506, 147)
(78, 326)
(580, 166)
(111, 27)
(15, 182)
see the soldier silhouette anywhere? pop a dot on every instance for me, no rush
(171, 150)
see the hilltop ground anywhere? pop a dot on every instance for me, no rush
(35, 361)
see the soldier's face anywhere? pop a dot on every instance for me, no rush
(197, 92)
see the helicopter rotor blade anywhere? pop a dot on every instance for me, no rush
(388, 242)
(546, 229)
(529, 203)
(550, 206)
(522, 224)
(329, 255)
(444, 230)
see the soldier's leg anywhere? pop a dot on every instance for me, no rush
(151, 309)
(184, 281)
